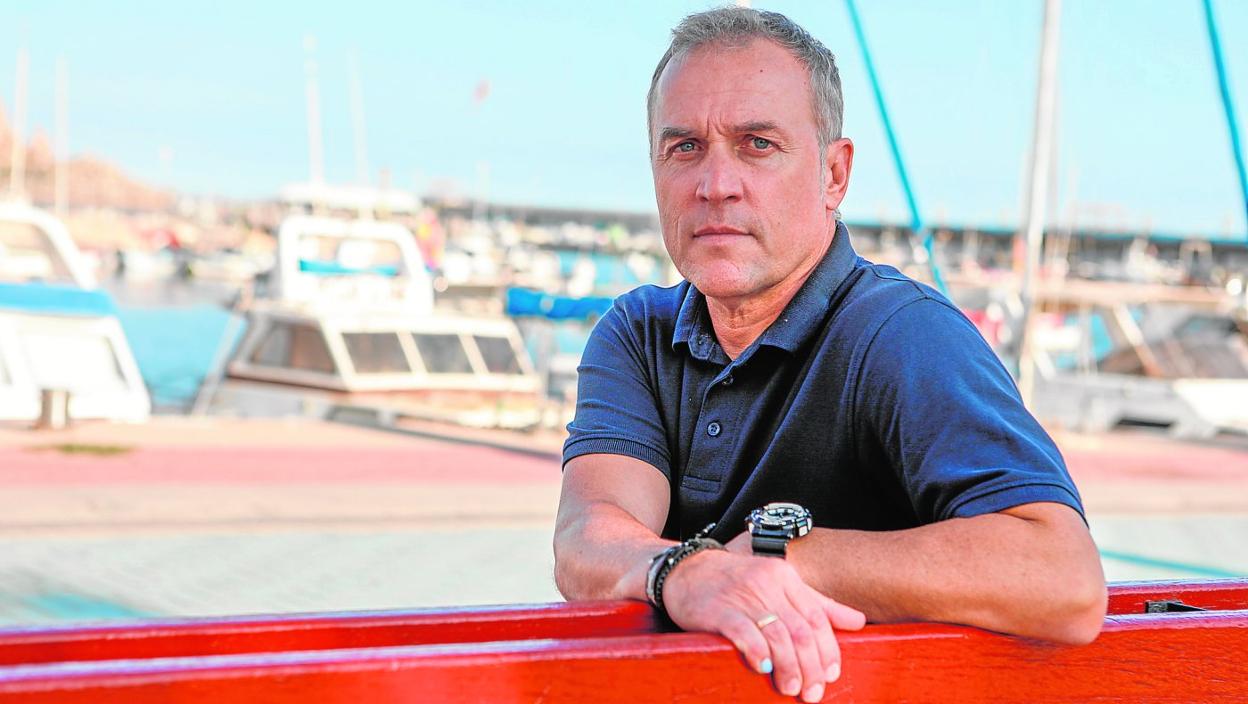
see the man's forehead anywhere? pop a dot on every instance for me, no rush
(747, 83)
(764, 56)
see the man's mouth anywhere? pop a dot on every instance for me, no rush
(710, 230)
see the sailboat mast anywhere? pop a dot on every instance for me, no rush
(17, 155)
(1034, 206)
(316, 158)
(61, 159)
(357, 122)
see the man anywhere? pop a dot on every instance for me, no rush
(786, 368)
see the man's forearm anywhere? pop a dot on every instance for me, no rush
(996, 571)
(603, 553)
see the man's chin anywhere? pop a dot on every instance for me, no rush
(724, 285)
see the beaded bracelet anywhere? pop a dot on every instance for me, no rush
(662, 564)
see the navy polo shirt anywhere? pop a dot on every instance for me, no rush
(871, 400)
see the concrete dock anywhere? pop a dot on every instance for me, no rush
(200, 516)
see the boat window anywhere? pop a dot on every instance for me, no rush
(376, 352)
(27, 254)
(349, 255)
(294, 347)
(72, 361)
(442, 353)
(499, 357)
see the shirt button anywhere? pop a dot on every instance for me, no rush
(727, 381)
(714, 429)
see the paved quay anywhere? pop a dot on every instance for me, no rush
(190, 516)
(205, 516)
(181, 473)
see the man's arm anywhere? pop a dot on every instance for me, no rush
(1002, 544)
(611, 512)
(1031, 570)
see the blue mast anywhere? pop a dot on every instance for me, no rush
(1228, 106)
(916, 220)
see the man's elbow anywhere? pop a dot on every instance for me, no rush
(574, 576)
(570, 585)
(565, 585)
(1081, 614)
(565, 575)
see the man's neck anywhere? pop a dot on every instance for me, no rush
(738, 322)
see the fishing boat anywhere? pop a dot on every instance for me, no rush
(349, 326)
(59, 334)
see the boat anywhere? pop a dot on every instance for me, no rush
(348, 326)
(59, 333)
(1174, 358)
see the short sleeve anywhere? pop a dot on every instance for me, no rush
(617, 410)
(949, 418)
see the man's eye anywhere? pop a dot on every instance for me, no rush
(685, 147)
(760, 143)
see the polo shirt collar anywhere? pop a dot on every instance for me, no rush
(800, 319)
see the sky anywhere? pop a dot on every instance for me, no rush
(209, 99)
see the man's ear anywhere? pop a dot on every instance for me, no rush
(837, 165)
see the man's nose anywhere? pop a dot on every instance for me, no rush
(720, 180)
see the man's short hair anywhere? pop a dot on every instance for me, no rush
(737, 27)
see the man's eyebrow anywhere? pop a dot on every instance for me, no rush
(673, 133)
(757, 126)
(668, 133)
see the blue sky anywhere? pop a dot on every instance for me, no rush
(219, 88)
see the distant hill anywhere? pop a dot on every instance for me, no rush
(93, 182)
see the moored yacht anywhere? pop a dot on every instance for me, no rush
(349, 325)
(58, 332)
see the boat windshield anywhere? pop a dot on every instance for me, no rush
(442, 353)
(498, 354)
(28, 255)
(292, 346)
(332, 255)
(376, 352)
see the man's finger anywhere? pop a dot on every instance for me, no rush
(749, 640)
(806, 651)
(788, 671)
(829, 651)
(844, 618)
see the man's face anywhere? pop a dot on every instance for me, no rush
(744, 199)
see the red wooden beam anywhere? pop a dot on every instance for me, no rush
(157, 638)
(1225, 594)
(328, 631)
(1145, 658)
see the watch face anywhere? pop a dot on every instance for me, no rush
(781, 517)
(769, 519)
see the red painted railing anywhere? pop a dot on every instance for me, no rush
(617, 652)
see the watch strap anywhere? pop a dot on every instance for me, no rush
(769, 546)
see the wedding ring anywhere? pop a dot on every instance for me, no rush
(766, 621)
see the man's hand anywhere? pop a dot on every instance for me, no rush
(737, 595)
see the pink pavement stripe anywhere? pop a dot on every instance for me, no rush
(423, 463)
(1090, 458)
(1126, 457)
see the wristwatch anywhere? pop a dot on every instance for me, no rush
(774, 525)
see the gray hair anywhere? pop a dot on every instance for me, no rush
(737, 27)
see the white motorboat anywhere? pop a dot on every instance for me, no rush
(349, 324)
(58, 331)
